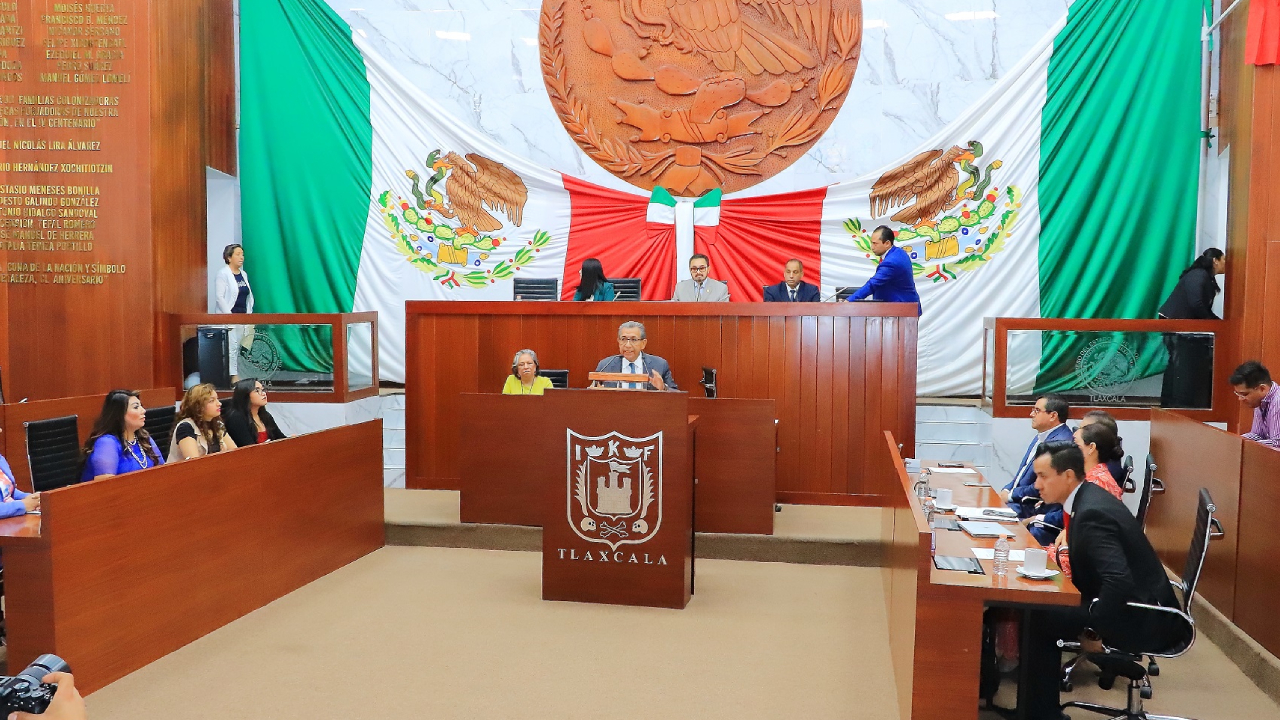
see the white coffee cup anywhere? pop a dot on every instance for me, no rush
(1034, 561)
(944, 497)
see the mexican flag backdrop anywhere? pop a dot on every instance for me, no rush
(1076, 178)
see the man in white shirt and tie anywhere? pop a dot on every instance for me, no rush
(632, 359)
(700, 288)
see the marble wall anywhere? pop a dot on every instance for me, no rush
(923, 62)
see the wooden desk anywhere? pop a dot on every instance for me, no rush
(87, 407)
(503, 480)
(935, 616)
(837, 375)
(122, 571)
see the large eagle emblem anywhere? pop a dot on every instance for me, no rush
(469, 185)
(930, 179)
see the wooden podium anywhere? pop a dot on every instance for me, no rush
(618, 523)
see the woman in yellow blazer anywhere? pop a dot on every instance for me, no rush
(524, 378)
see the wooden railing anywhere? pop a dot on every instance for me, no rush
(170, 365)
(995, 357)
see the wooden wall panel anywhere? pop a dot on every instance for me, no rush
(1257, 583)
(835, 375)
(1191, 455)
(220, 85)
(133, 546)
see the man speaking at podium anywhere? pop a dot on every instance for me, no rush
(894, 280)
(632, 359)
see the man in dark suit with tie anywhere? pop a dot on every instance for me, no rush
(1112, 564)
(632, 359)
(793, 288)
(1048, 419)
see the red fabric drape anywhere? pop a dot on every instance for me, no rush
(1262, 43)
(756, 237)
(610, 225)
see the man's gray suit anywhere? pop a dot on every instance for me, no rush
(614, 364)
(712, 291)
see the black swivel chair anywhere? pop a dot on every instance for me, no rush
(53, 452)
(1151, 485)
(559, 378)
(1115, 664)
(535, 289)
(159, 425)
(1125, 481)
(626, 288)
(708, 381)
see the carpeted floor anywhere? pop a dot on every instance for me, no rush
(433, 633)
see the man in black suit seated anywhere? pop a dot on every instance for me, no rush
(632, 359)
(793, 288)
(1112, 564)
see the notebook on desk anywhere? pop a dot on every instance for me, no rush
(986, 514)
(984, 529)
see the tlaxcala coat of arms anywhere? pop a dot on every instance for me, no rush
(692, 95)
(614, 488)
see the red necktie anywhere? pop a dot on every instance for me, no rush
(1066, 521)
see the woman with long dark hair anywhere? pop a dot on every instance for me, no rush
(592, 284)
(247, 421)
(118, 443)
(1188, 379)
(199, 429)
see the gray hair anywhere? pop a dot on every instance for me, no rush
(632, 324)
(516, 360)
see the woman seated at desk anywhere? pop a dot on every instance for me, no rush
(199, 430)
(14, 502)
(524, 378)
(118, 444)
(248, 422)
(592, 284)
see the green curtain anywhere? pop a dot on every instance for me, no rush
(1119, 166)
(305, 165)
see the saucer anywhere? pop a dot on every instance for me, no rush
(945, 508)
(1045, 575)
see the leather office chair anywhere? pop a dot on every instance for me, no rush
(159, 425)
(708, 381)
(1125, 481)
(1151, 485)
(1116, 664)
(535, 289)
(626, 288)
(559, 378)
(53, 452)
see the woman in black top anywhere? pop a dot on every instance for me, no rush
(1188, 379)
(1192, 298)
(248, 422)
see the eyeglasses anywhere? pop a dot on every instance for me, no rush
(260, 390)
(1244, 394)
(1036, 411)
(698, 268)
(629, 340)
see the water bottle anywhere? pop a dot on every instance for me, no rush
(930, 507)
(1002, 556)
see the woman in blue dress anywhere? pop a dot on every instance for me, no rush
(14, 502)
(118, 444)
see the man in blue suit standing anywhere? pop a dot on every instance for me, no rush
(893, 280)
(1048, 419)
(793, 288)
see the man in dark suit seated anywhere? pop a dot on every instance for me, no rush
(793, 288)
(1048, 419)
(632, 359)
(1112, 564)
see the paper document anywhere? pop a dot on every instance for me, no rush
(962, 470)
(984, 529)
(990, 554)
